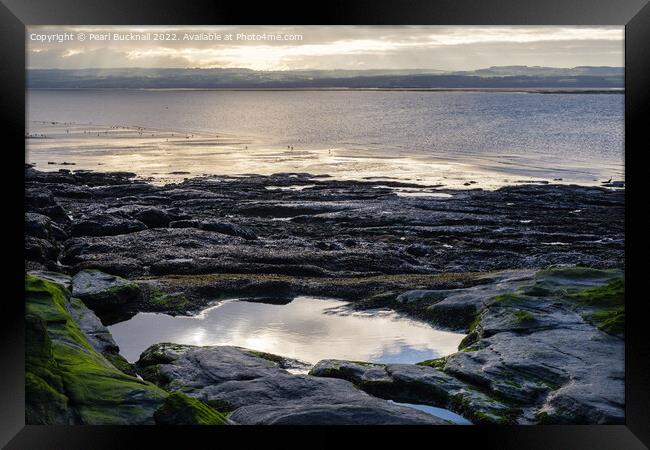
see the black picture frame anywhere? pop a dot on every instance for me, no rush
(16, 14)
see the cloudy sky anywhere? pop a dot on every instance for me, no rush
(325, 47)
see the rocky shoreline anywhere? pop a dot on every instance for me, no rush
(533, 274)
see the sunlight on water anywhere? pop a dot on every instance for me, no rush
(425, 138)
(308, 329)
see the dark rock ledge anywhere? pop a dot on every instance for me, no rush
(334, 229)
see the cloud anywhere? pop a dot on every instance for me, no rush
(337, 47)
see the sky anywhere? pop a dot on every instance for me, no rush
(323, 47)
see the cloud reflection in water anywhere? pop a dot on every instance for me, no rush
(309, 329)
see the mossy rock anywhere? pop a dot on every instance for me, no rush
(611, 321)
(381, 300)
(523, 316)
(100, 290)
(170, 302)
(575, 273)
(180, 409)
(473, 333)
(84, 387)
(46, 402)
(611, 294)
(437, 363)
(120, 363)
(569, 280)
(269, 357)
(604, 306)
(510, 298)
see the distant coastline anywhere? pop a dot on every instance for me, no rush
(507, 78)
(540, 90)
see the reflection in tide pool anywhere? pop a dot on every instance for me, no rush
(308, 329)
(438, 412)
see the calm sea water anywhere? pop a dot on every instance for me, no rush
(581, 127)
(436, 138)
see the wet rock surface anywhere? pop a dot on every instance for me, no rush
(260, 391)
(69, 378)
(101, 290)
(332, 228)
(419, 384)
(537, 351)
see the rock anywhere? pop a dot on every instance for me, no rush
(184, 224)
(411, 383)
(174, 366)
(229, 229)
(55, 277)
(96, 333)
(38, 225)
(45, 400)
(615, 184)
(105, 225)
(418, 250)
(67, 380)
(459, 307)
(305, 400)
(259, 391)
(341, 228)
(582, 382)
(42, 250)
(328, 246)
(71, 191)
(180, 409)
(542, 348)
(57, 214)
(41, 236)
(152, 217)
(101, 290)
(121, 189)
(42, 226)
(174, 213)
(38, 198)
(421, 296)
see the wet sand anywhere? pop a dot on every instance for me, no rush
(164, 156)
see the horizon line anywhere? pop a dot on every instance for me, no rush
(322, 70)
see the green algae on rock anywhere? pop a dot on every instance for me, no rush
(68, 380)
(180, 409)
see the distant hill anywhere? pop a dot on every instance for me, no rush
(538, 71)
(493, 77)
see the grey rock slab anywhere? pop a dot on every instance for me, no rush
(261, 392)
(97, 334)
(99, 289)
(551, 371)
(412, 383)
